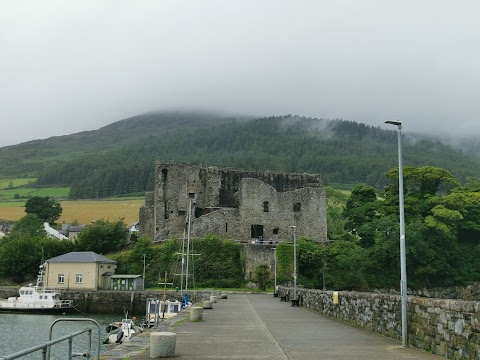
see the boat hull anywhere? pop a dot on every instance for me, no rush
(19, 310)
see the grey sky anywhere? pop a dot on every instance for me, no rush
(68, 66)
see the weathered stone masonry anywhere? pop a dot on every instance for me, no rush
(448, 328)
(237, 205)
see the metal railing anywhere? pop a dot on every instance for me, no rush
(45, 347)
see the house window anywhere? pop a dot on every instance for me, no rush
(226, 227)
(275, 231)
(265, 206)
(61, 279)
(296, 207)
(79, 279)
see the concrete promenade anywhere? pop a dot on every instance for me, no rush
(262, 327)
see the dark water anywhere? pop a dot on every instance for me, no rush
(21, 331)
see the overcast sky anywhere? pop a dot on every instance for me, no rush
(68, 66)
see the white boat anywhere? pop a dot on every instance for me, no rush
(121, 331)
(37, 298)
(158, 310)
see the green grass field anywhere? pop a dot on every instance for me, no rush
(25, 192)
(4, 183)
(84, 211)
(20, 189)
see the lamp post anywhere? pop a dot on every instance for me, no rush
(275, 270)
(403, 263)
(323, 278)
(294, 228)
(188, 240)
(144, 256)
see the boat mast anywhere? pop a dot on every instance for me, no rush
(188, 240)
(183, 262)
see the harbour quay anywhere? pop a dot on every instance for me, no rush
(259, 326)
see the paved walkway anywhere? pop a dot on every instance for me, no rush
(261, 327)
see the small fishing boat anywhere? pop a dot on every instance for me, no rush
(158, 310)
(121, 331)
(37, 299)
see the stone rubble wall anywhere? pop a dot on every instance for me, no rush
(447, 328)
(470, 292)
(235, 204)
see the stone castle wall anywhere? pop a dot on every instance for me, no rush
(231, 203)
(256, 255)
(447, 328)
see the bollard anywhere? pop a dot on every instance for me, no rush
(207, 305)
(162, 344)
(196, 313)
(213, 298)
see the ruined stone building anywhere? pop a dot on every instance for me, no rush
(235, 204)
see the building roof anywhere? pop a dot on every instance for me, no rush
(76, 228)
(53, 233)
(125, 276)
(81, 257)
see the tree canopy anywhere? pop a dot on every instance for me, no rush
(46, 208)
(103, 237)
(349, 153)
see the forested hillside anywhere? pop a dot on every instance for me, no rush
(27, 159)
(342, 151)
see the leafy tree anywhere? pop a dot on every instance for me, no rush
(46, 208)
(360, 211)
(219, 264)
(143, 247)
(20, 257)
(21, 254)
(30, 224)
(262, 276)
(310, 263)
(347, 266)
(336, 220)
(103, 237)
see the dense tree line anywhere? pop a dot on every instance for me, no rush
(442, 242)
(442, 236)
(342, 151)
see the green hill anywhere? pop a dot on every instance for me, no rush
(29, 158)
(119, 158)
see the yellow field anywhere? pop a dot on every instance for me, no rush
(84, 211)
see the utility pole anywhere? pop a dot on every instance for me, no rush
(294, 228)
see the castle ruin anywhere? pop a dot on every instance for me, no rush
(237, 205)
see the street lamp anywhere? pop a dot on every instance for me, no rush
(144, 256)
(403, 263)
(275, 270)
(294, 228)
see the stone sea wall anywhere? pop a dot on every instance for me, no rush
(470, 292)
(448, 328)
